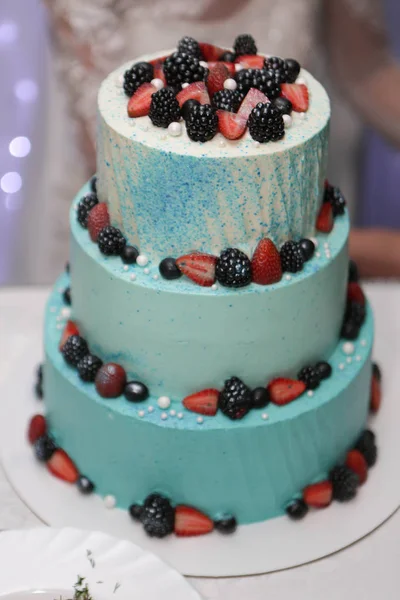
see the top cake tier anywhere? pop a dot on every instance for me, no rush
(170, 195)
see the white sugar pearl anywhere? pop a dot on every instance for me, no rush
(230, 84)
(348, 348)
(328, 255)
(164, 416)
(265, 416)
(158, 83)
(141, 413)
(341, 366)
(288, 277)
(150, 409)
(142, 260)
(301, 81)
(66, 312)
(200, 420)
(125, 268)
(164, 137)
(222, 144)
(358, 358)
(326, 245)
(318, 254)
(58, 318)
(164, 402)
(155, 277)
(238, 67)
(175, 129)
(310, 393)
(257, 144)
(180, 415)
(172, 412)
(363, 342)
(185, 85)
(146, 271)
(109, 501)
(349, 359)
(204, 64)
(133, 277)
(214, 287)
(287, 119)
(59, 326)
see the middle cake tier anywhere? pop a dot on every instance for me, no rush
(179, 338)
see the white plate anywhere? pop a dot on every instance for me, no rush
(50, 560)
(260, 548)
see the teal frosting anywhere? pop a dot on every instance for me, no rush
(250, 468)
(180, 338)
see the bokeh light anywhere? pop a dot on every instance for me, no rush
(20, 146)
(26, 90)
(8, 32)
(11, 182)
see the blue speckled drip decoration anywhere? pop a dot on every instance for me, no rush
(250, 468)
(177, 336)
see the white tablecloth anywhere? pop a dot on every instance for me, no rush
(368, 570)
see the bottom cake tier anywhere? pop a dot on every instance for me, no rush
(249, 468)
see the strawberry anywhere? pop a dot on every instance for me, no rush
(158, 60)
(376, 394)
(210, 52)
(37, 428)
(325, 218)
(62, 466)
(355, 293)
(216, 78)
(297, 93)
(253, 97)
(230, 66)
(231, 125)
(69, 329)
(357, 463)
(250, 61)
(266, 263)
(194, 91)
(159, 71)
(204, 402)
(319, 494)
(199, 267)
(98, 219)
(139, 103)
(189, 521)
(282, 390)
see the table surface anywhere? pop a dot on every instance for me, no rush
(367, 570)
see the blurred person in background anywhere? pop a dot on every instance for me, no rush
(93, 37)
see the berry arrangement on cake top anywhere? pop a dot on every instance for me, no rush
(212, 89)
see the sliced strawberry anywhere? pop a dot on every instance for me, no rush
(159, 72)
(230, 66)
(139, 103)
(251, 61)
(266, 263)
(194, 91)
(297, 93)
(210, 52)
(376, 394)
(325, 218)
(318, 495)
(204, 402)
(355, 293)
(98, 219)
(231, 125)
(69, 329)
(253, 97)
(158, 60)
(189, 521)
(357, 463)
(37, 428)
(283, 390)
(62, 466)
(199, 267)
(216, 78)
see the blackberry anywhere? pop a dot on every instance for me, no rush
(323, 369)
(202, 123)
(297, 509)
(292, 258)
(142, 72)
(67, 267)
(227, 100)
(266, 123)
(84, 485)
(67, 295)
(278, 65)
(88, 367)
(307, 247)
(129, 254)
(244, 44)
(366, 445)
(292, 70)
(354, 276)
(93, 184)
(44, 448)
(376, 371)
(157, 516)
(183, 68)
(260, 79)
(233, 268)
(84, 207)
(226, 525)
(344, 483)
(164, 108)
(260, 397)
(39, 382)
(39, 373)
(309, 376)
(187, 107)
(355, 313)
(111, 241)
(338, 202)
(284, 105)
(169, 269)
(74, 349)
(135, 511)
(189, 45)
(235, 399)
(228, 56)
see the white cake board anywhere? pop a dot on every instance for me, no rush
(260, 548)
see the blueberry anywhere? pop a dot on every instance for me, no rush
(129, 254)
(67, 296)
(323, 369)
(284, 105)
(376, 371)
(135, 511)
(169, 269)
(44, 448)
(228, 56)
(226, 525)
(85, 486)
(350, 330)
(353, 272)
(297, 509)
(260, 397)
(187, 107)
(135, 391)
(307, 247)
